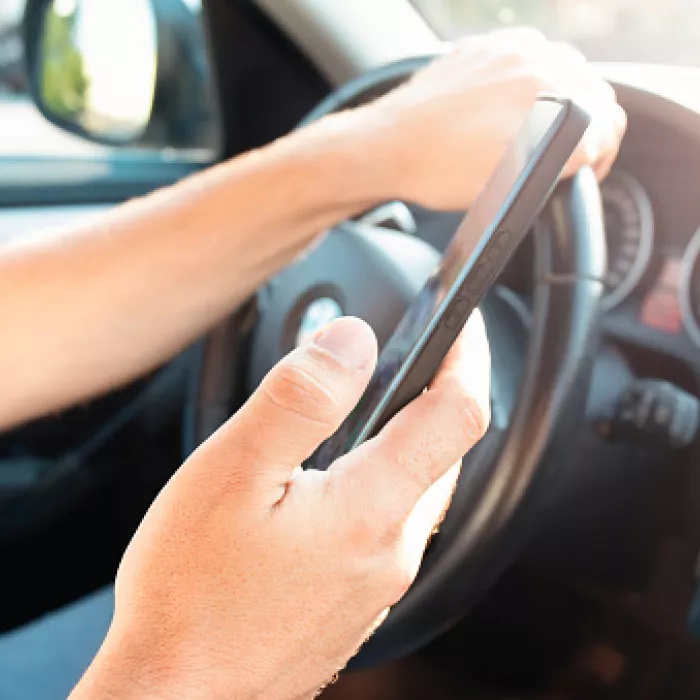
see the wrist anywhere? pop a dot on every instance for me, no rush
(346, 161)
(128, 672)
(376, 151)
(144, 668)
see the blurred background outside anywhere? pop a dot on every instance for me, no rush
(23, 130)
(644, 31)
(652, 31)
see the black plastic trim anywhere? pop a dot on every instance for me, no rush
(102, 179)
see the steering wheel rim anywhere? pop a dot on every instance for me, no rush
(517, 473)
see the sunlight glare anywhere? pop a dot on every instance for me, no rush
(65, 8)
(118, 40)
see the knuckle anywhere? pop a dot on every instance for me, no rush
(568, 53)
(399, 577)
(526, 82)
(531, 82)
(525, 41)
(474, 420)
(589, 147)
(517, 55)
(388, 575)
(601, 93)
(532, 34)
(373, 526)
(608, 90)
(364, 539)
(620, 120)
(370, 537)
(413, 459)
(419, 466)
(294, 388)
(463, 418)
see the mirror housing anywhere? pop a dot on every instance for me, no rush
(121, 72)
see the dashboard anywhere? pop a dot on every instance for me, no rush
(651, 202)
(652, 215)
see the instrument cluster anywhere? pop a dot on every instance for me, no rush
(670, 296)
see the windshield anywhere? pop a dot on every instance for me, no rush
(645, 31)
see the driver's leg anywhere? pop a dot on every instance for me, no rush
(45, 659)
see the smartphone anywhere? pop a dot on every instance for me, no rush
(482, 245)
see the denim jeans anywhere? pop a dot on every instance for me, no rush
(45, 659)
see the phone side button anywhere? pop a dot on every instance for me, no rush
(456, 318)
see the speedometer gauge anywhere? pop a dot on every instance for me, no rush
(629, 230)
(689, 289)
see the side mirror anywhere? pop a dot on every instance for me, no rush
(121, 72)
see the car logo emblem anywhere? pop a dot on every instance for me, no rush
(319, 313)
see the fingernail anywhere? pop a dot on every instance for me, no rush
(350, 341)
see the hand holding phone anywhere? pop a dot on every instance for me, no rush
(483, 244)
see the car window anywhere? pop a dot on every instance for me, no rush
(24, 131)
(645, 31)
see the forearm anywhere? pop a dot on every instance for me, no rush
(125, 670)
(93, 308)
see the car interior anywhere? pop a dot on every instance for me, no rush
(569, 566)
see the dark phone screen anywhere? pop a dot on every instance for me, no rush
(473, 234)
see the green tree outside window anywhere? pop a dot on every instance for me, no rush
(63, 82)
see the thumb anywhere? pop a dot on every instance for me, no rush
(300, 403)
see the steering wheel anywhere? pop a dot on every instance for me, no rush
(541, 364)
